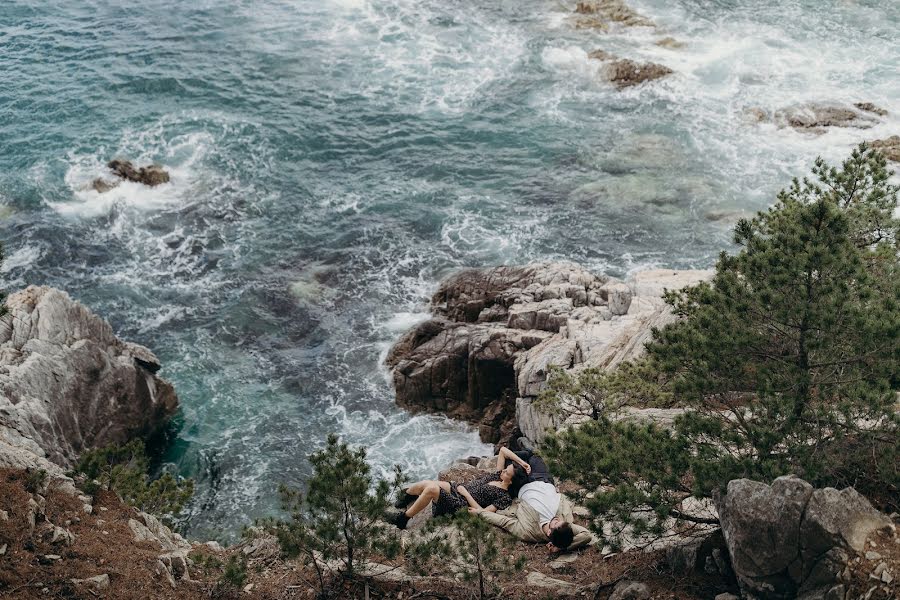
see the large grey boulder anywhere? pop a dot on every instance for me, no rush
(67, 383)
(788, 540)
(497, 333)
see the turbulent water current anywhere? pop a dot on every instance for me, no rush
(331, 160)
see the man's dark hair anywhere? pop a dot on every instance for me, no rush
(562, 536)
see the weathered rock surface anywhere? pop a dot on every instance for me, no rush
(890, 147)
(600, 14)
(151, 175)
(787, 540)
(67, 383)
(630, 590)
(818, 117)
(496, 332)
(623, 72)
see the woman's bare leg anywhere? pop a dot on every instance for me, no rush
(427, 491)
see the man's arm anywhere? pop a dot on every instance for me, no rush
(583, 537)
(510, 524)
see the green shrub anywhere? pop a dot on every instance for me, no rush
(470, 547)
(337, 524)
(124, 470)
(235, 572)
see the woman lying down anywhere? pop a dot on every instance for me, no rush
(492, 492)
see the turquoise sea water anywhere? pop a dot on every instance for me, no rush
(331, 160)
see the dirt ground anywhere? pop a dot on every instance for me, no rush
(33, 567)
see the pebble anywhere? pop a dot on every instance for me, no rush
(872, 555)
(2, 549)
(4, 516)
(879, 569)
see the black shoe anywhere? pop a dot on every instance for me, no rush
(398, 518)
(405, 501)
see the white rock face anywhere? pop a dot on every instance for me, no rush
(67, 383)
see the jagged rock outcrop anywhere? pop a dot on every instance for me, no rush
(67, 383)
(624, 73)
(788, 540)
(496, 332)
(150, 175)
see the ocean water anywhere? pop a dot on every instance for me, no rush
(331, 160)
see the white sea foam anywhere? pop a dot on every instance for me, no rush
(21, 257)
(179, 155)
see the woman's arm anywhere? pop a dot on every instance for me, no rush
(465, 494)
(504, 454)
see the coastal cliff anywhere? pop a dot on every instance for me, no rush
(67, 383)
(495, 333)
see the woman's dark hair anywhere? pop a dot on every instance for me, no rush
(519, 478)
(562, 536)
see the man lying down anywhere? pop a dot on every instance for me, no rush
(542, 514)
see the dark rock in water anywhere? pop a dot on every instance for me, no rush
(151, 175)
(626, 73)
(154, 175)
(101, 185)
(623, 72)
(890, 147)
(869, 107)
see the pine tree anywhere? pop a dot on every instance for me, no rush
(788, 361)
(466, 545)
(339, 518)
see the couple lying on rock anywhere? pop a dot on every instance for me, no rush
(542, 515)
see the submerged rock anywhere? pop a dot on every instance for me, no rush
(603, 12)
(869, 107)
(671, 43)
(67, 383)
(890, 147)
(817, 117)
(101, 185)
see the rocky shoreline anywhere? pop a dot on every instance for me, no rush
(67, 383)
(495, 333)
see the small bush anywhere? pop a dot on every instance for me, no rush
(337, 524)
(235, 572)
(470, 547)
(34, 480)
(123, 470)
